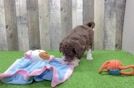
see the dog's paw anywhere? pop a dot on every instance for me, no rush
(89, 57)
(75, 62)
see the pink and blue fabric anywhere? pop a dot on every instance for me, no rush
(25, 71)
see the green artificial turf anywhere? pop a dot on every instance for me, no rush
(84, 76)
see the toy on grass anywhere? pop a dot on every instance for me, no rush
(41, 55)
(115, 67)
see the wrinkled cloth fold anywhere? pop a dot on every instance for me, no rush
(25, 71)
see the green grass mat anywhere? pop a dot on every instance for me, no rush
(84, 76)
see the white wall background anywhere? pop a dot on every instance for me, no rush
(128, 34)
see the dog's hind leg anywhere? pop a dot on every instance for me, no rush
(89, 55)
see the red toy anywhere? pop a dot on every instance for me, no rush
(115, 67)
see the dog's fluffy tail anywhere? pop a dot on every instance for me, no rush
(91, 24)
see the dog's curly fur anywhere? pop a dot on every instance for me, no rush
(78, 41)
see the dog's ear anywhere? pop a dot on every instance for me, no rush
(60, 47)
(77, 51)
(91, 24)
(63, 46)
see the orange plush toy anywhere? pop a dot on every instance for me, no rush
(115, 67)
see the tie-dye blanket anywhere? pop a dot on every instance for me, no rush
(25, 71)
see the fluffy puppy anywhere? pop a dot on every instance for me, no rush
(79, 40)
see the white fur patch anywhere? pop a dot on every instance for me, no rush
(89, 55)
(75, 62)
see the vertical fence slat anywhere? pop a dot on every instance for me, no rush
(88, 10)
(33, 24)
(110, 24)
(54, 23)
(22, 27)
(74, 13)
(99, 24)
(3, 42)
(128, 30)
(44, 24)
(120, 11)
(11, 24)
(77, 6)
(66, 16)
